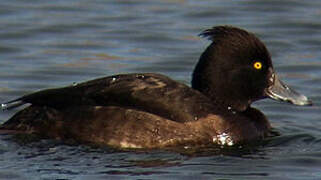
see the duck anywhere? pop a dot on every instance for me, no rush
(151, 110)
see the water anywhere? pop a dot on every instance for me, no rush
(47, 44)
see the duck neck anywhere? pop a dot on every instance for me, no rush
(221, 95)
(232, 105)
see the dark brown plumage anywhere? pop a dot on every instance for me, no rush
(153, 111)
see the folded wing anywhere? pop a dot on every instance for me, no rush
(153, 93)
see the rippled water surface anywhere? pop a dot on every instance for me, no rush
(47, 44)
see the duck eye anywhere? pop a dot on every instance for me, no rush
(257, 65)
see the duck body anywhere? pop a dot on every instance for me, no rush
(134, 111)
(148, 110)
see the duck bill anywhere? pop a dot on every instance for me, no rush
(281, 92)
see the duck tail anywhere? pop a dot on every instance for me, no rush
(12, 104)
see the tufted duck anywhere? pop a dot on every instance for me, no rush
(148, 110)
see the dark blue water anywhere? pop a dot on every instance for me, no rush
(46, 44)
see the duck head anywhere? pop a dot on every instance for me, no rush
(236, 69)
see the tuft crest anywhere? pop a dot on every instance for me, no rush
(219, 32)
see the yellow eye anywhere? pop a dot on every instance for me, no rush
(257, 65)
